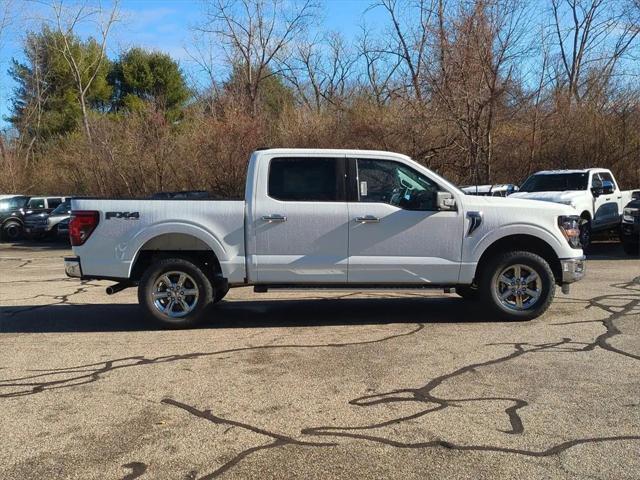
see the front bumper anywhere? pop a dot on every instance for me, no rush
(573, 269)
(72, 267)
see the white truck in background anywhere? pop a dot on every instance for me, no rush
(593, 193)
(316, 218)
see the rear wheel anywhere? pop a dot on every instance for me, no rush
(12, 230)
(175, 292)
(221, 292)
(517, 285)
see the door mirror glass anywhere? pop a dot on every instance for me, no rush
(446, 201)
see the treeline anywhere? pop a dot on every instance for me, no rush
(482, 91)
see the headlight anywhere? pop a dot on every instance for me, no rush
(631, 215)
(570, 228)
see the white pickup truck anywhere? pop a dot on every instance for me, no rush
(329, 219)
(592, 192)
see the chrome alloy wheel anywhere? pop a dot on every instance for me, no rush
(518, 287)
(175, 294)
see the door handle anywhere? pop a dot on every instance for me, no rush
(274, 218)
(367, 219)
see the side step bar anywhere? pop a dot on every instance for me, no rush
(351, 286)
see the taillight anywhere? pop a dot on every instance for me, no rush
(82, 225)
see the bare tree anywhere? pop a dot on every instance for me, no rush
(409, 41)
(255, 33)
(67, 21)
(592, 34)
(477, 49)
(320, 70)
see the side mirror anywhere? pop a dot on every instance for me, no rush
(596, 191)
(607, 187)
(446, 201)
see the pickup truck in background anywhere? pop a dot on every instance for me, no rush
(592, 192)
(502, 190)
(329, 219)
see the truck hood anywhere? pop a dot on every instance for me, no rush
(556, 197)
(518, 206)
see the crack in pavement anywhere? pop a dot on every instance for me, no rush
(89, 373)
(137, 470)
(425, 394)
(279, 440)
(63, 299)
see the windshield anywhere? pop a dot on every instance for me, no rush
(62, 209)
(12, 203)
(556, 182)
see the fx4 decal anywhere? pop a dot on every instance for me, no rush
(124, 215)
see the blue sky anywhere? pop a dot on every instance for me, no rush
(163, 25)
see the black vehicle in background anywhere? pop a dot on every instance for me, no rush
(630, 227)
(182, 195)
(43, 224)
(11, 216)
(14, 210)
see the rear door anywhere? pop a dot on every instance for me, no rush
(396, 233)
(300, 221)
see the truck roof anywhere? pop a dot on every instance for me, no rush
(575, 170)
(328, 151)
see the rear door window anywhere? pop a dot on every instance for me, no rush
(53, 202)
(306, 179)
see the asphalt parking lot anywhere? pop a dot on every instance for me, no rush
(397, 384)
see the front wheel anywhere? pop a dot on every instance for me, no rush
(585, 234)
(175, 292)
(12, 231)
(517, 285)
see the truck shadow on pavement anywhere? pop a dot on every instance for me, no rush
(305, 312)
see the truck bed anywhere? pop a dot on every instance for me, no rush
(132, 226)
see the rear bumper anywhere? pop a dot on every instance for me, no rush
(72, 267)
(573, 269)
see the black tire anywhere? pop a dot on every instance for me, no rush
(631, 248)
(220, 294)
(489, 286)
(585, 234)
(12, 231)
(197, 281)
(468, 292)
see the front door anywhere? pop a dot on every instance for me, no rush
(300, 222)
(396, 233)
(605, 205)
